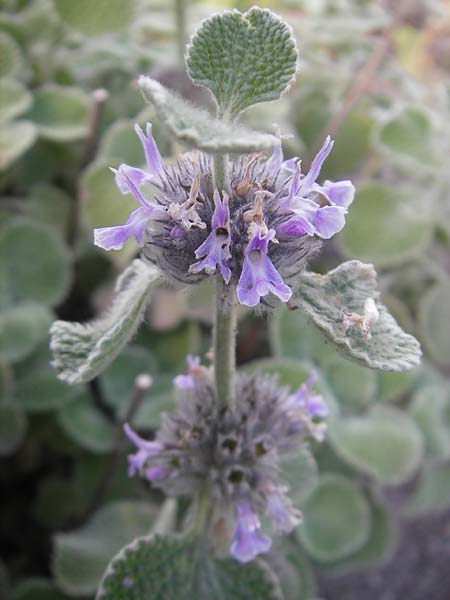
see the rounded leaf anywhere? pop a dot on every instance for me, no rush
(12, 427)
(15, 139)
(243, 58)
(14, 99)
(11, 59)
(96, 18)
(34, 264)
(60, 113)
(80, 557)
(169, 567)
(336, 519)
(386, 444)
(21, 329)
(432, 492)
(434, 322)
(387, 226)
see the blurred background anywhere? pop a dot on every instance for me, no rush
(376, 494)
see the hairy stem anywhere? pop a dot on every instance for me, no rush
(220, 171)
(225, 343)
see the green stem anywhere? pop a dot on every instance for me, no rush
(225, 343)
(220, 171)
(180, 18)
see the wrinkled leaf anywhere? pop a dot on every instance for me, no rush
(195, 127)
(324, 297)
(168, 567)
(243, 58)
(82, 351)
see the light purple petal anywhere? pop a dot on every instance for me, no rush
(316, 406)
(281, 511)
(184, 382)
(125, 173)
(259, 276)
(313, 173)
(152, 156)
(158, 473)
(248, 542)
(113, 238)
(274, 163)
(329, 220)
(145, 451)
(339, 193)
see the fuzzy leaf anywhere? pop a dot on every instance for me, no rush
(80, 557)
(15, 139)
(434, 319)
(386, 444)
(170, 567)
(432, 493)
(82, 351)
(243, 58)
(22, 327)
(336, 519)
(11, 58)
(323, 297)
(195, 127)
(14, 99)
(96, 18)
(60, 113)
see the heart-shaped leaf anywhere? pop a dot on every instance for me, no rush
(243, 58)
(82, 351)
(195, 127)
(346, 288)
(169, 567)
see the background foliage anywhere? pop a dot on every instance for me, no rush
(373, 74)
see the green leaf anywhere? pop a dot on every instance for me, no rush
(14, 99)
(387, 225)
(430, 409)
(380, 546)
(169, 567)
(118, 379)
(195, 127)
(243, 58)
(354, 386)
(60, 113)
(392, 386)
(35, 264)
(336, 519)
(81, 352)
(324, 297)
(292, 335)
(299, 471)
(160, 399)
(386, 444)
(15, 139)
(434, 319)
(11, 59)
(12, 427)
(40, 390)
(83, 423)
(50, 206)
(293, 569)
(410, 136)
(80, 557)
(37, 588)
(96, 18)
(432, 493)
(21, 329)
(121, 144)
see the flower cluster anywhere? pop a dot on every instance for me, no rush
(235, 454)
(258, 234)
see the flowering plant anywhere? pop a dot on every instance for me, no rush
(235, 211)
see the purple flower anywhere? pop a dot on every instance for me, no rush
(314, 404)
(247, 539)
(279, 508)
(157, 473)
(259, 276)
(145, 451)
(128, 180)
(215, 250)
(187, 380)
(308, 216)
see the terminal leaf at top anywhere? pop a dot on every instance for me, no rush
(243, 58)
